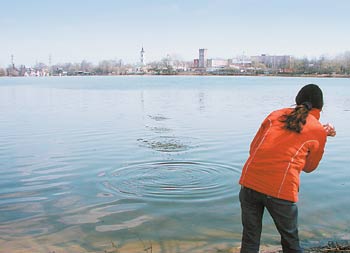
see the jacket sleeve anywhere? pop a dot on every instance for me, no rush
(315, 155)
(260, 135)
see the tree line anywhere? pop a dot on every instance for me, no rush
(323, 65)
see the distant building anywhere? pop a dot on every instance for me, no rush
(273, 61)
(202, 60)
(240, 62)
(196, 63)
(217, 63)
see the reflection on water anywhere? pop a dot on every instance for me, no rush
(150, 161)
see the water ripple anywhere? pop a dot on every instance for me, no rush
(168, 143)
(175, 181)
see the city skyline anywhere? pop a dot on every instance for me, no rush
(72, 31)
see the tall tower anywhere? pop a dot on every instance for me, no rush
(142, 56)
(202, 59)
(12, 61)
(50, 65)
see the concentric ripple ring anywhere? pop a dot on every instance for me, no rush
(175, 181)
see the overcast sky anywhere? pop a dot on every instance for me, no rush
(76, 30)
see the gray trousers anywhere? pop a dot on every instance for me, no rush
(284, 214)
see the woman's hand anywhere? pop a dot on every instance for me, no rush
(330, 130)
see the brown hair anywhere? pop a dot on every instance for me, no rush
(310, 96)
(297, 118)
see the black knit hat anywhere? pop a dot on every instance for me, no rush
(310, 93)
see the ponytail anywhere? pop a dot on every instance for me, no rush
(297, 118)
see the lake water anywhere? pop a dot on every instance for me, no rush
(123, 164)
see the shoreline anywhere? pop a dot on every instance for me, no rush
(201, 247)
(203, 74)
(58, 244)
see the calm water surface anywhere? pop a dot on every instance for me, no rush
(92, 164)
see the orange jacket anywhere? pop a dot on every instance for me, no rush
(277, 156)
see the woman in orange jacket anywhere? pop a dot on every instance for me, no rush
(289, 141)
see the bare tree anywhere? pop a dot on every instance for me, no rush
(2, 72)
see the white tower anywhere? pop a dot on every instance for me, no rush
(142, 56)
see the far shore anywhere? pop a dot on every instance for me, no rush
(207, 74)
